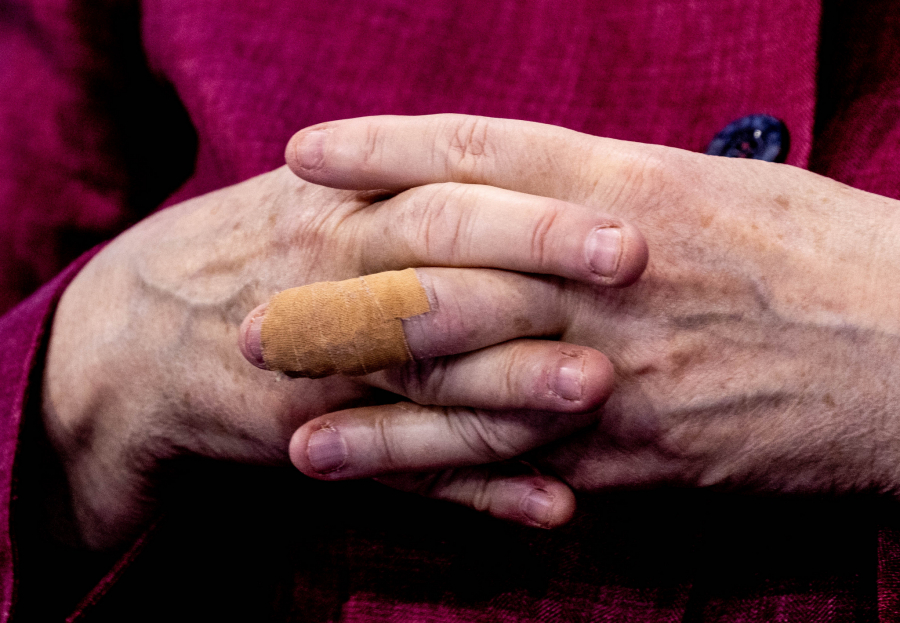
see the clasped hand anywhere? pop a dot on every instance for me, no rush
(754, 352)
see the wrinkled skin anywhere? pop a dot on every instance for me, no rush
(758, 350)
(144, 367)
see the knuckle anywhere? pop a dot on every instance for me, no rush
(429, 225)
(422, 381)
(432, 231)
(373, 146)
(427, 219)
(478, 430)
(469, 144)
(517, 359)
(389, 452)
(644, 180)
(641, 176)
(541, 233)
(482, 495)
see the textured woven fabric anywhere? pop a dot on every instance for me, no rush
(104, 106)
(23, 335)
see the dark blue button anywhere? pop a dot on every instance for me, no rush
(759, 137)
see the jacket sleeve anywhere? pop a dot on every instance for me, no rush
(23, 335)
(91, 141)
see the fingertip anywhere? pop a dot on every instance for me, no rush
(318, 449)
(290, 151)
(615, 253)
(548, 505)
(583, 378)
(533, 500)
(600, 377)
(250, 337)
(297, 450)
(305, 151)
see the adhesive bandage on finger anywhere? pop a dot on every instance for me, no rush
(342, 327)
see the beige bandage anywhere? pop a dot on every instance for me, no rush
(342, 327)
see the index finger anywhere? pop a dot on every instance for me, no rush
(395, 153)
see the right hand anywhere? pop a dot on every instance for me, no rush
(757, 353)
(143, 364)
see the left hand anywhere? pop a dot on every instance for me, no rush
(759, 349)
(143, 368)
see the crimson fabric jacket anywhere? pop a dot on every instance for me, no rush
(106, 108)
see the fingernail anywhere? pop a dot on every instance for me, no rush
(569, 380)
(251, 337)
(326, 450)
(603, 250)
(538, 507)
(310, 150)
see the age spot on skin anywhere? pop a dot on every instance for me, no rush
(680, 360)
(524, 326)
